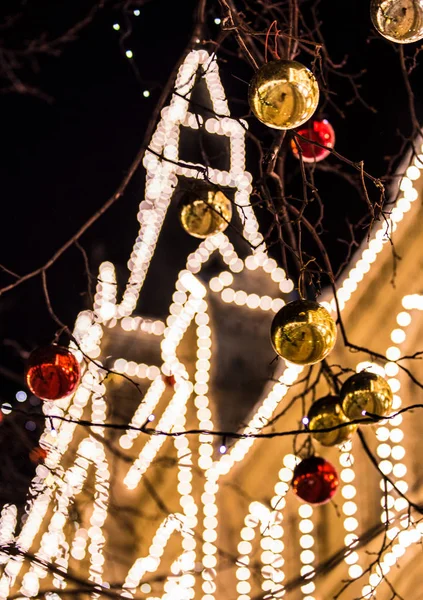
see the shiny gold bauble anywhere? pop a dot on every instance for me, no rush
(283, 94)
(204, 212)
(325, 413)
(303, 332)
(366, 392)
(399, 21)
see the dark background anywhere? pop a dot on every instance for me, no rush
(63, 156)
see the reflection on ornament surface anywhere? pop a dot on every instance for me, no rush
(52, 372)
(303, 332)
(283, 94)
(399, 21)
(366, 392)
(316, 131)
(315, 480)
(204, 212)
(325, 413)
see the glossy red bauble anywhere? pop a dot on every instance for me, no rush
(315, 480)
(52, 372)
(316, 131)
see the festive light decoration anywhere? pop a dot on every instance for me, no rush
(52, 496)
(204, 212)
(52, 372)
(315, 480)
(320, 131)
(399, 21)
(366, 392)
(349, 509)
(283, 94)
(303, 332)
(325, 413)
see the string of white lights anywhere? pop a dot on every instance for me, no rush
(349, 508)
(392, 455)
(161, 181)
(151, 562)
(271, 537)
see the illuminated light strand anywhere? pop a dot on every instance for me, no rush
(349, 508)
(170, 421)
(258, 515)
(201, 400)
(53, 540)
(379, 237)
(307, 556)
(183, 586)
(151, 562)
(144, 410)
(8, 520)
(106, 291)
(136, 370)
(159, 190)
(56, 443)
(210, 523)
(177, 324)
(253, 301)
(390, 557)
(272, 534)
(155, 327)
(258, 421)
(89, 323)
(345, 291)
(161, 175)
(392, 453)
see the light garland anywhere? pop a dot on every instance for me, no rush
(189, 306)
(392, 455)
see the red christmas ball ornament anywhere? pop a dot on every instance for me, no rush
(52, 372)
(316, 131)
(315, 480)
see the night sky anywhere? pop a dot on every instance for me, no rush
(64, 153)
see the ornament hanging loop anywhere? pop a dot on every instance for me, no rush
(275, 26)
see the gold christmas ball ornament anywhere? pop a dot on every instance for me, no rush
(325, 413)
(283, 94)
(399, 21)
(204, 212)
(366, 392)
(303, 332)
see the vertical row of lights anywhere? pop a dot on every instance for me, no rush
(257, 517)
(185, 581)
(349, 509)
(307, 556)
(391, 452)
(209, 536)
